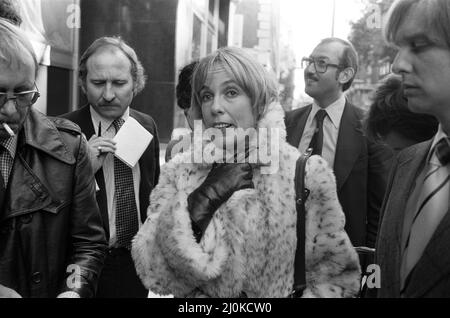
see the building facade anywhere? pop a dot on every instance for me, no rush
(255, 25)
(166, 35)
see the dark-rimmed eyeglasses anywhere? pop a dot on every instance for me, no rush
(22, 99)
(320, 65)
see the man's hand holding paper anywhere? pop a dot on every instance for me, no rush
(100, 147)
(131, 141)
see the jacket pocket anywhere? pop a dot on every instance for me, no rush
(25, 215)
(55, 207)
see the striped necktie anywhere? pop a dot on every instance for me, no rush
(432, 206)
(127, 223)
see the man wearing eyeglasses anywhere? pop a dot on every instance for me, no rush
(52, 242)
(331, 127)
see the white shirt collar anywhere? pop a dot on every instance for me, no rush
(334, 110)
(432, 154)
(106, 123)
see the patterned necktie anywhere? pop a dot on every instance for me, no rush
(6, 163)
(433, 205)
(317, 140)
(127, 223)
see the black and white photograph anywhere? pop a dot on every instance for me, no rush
(223, 157)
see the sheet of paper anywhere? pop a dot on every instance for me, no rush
(131, 142)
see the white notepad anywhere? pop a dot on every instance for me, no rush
(131, 142)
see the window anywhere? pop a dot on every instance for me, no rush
(202, 18)
(196, 38)
(205, 27)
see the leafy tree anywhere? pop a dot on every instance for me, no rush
(366, 35)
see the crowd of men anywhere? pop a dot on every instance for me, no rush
(69, 208)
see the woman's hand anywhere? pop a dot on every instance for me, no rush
(220, 184)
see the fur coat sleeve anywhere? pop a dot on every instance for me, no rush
(332, 264)
(167, 257)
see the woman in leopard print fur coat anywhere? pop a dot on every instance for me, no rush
(250, 244)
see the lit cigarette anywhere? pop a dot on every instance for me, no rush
(8, 129)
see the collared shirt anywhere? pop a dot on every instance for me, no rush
(331, 125)
(109, 131)
(5, 157)
(432, 161)
(432, 158)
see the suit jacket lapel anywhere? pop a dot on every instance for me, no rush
(390, 236)
(295, 130)
(435, 260)
(407, 171)
(87, 128)
(349, 145)
(144, 163)
(85, 122)
(434, 263)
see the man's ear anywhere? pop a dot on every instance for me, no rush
(346, 75)
(135, 92)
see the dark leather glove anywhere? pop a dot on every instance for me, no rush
(222, 181)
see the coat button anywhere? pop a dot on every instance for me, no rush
(36, 277)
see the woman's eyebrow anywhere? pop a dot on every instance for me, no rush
(229, 82)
